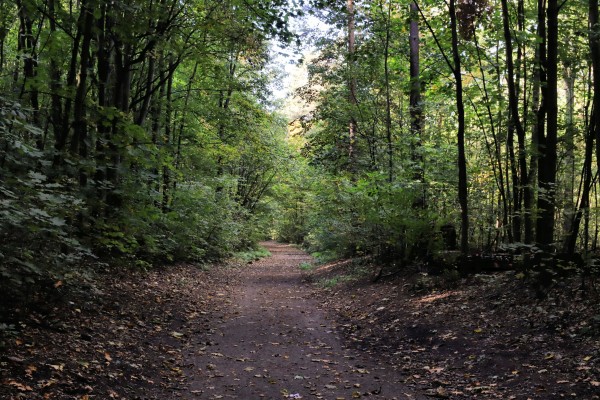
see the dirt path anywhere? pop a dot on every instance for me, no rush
(274, 342)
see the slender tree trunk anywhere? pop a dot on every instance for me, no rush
(519, 174)
(538, 126)
(177, 159)
(568, 178)
(497, 150)
(591, 134)
(415, 106)
(352, 99)
(462, 162)
(56, 116)
(521, 75)
(388, 96)
(167, 140)
(148, 89)
(27, 44)
(594, 22)
(548, 142)
(79, 143)
(27, 47)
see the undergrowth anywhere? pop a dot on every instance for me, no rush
(252, 255)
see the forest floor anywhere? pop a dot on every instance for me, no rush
(283, 328)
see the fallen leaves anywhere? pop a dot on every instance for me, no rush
(18, 385)
(482, 341)
(487, 336)
(113, 343)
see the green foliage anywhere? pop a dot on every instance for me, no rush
(38, 215)
(330, 283)
(305, 266)
(370, 217)
(145, 138)
(252, 254)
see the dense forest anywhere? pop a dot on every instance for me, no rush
(468, 125)
(138, 131)
(144, 131)
(480, 115)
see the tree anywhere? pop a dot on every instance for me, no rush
(548, 139)
(416, 107)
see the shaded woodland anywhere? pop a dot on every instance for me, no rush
(449, 150)
(137, 131)
(458, 135)
(467, 127)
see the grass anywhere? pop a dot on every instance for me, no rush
(252, 255)
(323, 257)
(306, 266)
(330, 283)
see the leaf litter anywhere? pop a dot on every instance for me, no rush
(164, 334)
(122, 337)
(483, 337)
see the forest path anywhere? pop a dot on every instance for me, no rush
(274, 342)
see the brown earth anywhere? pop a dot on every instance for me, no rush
(274, 342)
(485, 336)
(272, 330)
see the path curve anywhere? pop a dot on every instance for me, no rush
(274, 342)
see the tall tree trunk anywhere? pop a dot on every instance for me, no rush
(79, 143)
(352, 99)
(537, 129)
(415, 106)
(521, 74)
(591, 135)
(103, 56)
(520, 174)
(27, 48)
(167, 140)
(177, 158)
(56, 116)
(548, 141)
(497, 150)
(568, 178)
(462, 162)
(388, 95)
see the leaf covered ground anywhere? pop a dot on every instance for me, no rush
(485, 336)
(279, 328)
(121, 337)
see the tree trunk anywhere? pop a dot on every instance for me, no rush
(415, 106)
(591, 134)
(352, 99)
(56, 116)
(462, 162)
(548, 142)
(568, 178)
(27, 48)
(497, 153)
(388, 96)
(520, 174)
(167, 140)
(79, 144)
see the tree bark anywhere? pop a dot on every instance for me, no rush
(462, 162)
(352, 99)
(415, 106)
(519, 174)
(79, 143)
(591, 135)
(548, 141)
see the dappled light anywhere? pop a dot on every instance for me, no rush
(293, 199)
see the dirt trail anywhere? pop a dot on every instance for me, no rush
(274, 342)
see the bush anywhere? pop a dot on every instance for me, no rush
(370, 216)
(39, 214)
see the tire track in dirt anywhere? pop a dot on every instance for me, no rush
(273, 342)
